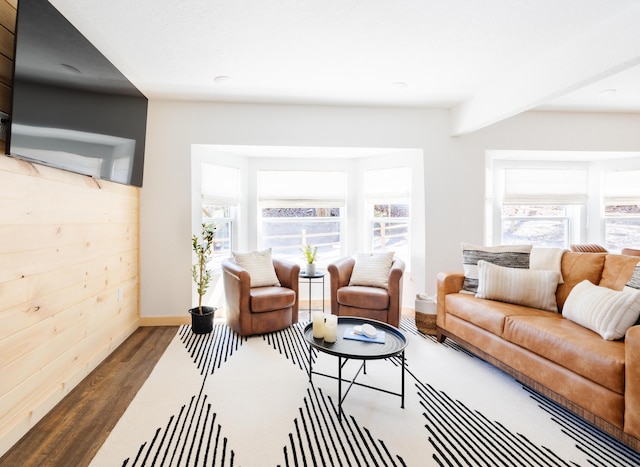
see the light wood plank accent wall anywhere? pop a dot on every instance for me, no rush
(69, 278)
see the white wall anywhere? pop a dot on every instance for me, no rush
(453, 166)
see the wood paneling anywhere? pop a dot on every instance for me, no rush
(69, 274)
(8, 10)
(69, 250)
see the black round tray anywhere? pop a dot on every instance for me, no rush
(394, 343)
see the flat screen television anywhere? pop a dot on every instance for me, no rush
(72, 108)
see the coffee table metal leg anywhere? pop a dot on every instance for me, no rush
(402, 391)
(310, 362)
(339, 388)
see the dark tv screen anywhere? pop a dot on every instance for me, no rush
(72, 108)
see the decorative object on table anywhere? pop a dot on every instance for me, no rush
(318, 324)
(310, 255)
(331, 329)
(357, 333)
(202, 316)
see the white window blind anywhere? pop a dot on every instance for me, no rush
(545, 186)
(387, 184)
(220, 184)
(304, 188)
(622, 187)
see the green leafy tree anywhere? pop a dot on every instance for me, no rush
(203, 248)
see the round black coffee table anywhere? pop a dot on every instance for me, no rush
(347, 349)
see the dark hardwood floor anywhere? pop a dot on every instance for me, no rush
(72, 433)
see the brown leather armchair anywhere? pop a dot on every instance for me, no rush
(363, 301)
(630, 252)
(587, 248)
(258, 310)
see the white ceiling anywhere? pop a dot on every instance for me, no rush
(486, 60)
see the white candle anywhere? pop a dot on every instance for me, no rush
(331, 328)
(318, 324)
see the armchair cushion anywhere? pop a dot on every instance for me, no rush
(373, 298)
(259, 265)
(271, 298)
(372, 269)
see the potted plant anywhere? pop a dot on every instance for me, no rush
(310, 254)
(202, 316)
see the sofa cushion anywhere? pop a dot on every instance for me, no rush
(259, 265)
(355, 296)
(511, 256)
(570, 345)
(617, 271)
(577, 267)
(608, 312)
(263, 299)
(490, 315)
(372, 269)
(529, 287)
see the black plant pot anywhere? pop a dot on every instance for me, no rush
(202, 323)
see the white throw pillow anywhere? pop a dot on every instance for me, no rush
(529, 287)
(605, 311)
(372, 269)
(511, 256)
(549, 259)
(259, 264)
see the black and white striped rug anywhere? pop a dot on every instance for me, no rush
(222, 400)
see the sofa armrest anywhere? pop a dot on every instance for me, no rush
(448, 282)
(632, 382)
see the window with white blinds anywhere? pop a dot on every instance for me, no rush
(621, 199)
(388, 200)
(302, 188)
(299, 208)
(543, 186)
(221, 191)
(622, 187)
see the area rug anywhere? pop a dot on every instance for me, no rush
(222, 400)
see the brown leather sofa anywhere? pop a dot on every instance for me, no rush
(599, 380)
(366, 302)
(258, 310)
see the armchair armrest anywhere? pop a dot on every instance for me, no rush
(632, 382)
(340, 274)
(237, 285)
(395, 292)
(288, 273)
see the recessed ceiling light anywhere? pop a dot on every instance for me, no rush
(71, 69)
(222, 79)
(607, 92)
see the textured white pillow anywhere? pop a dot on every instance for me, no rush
(259, 264)
(529, 287)
(511, 256)
(608, 312)
(372, 269)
